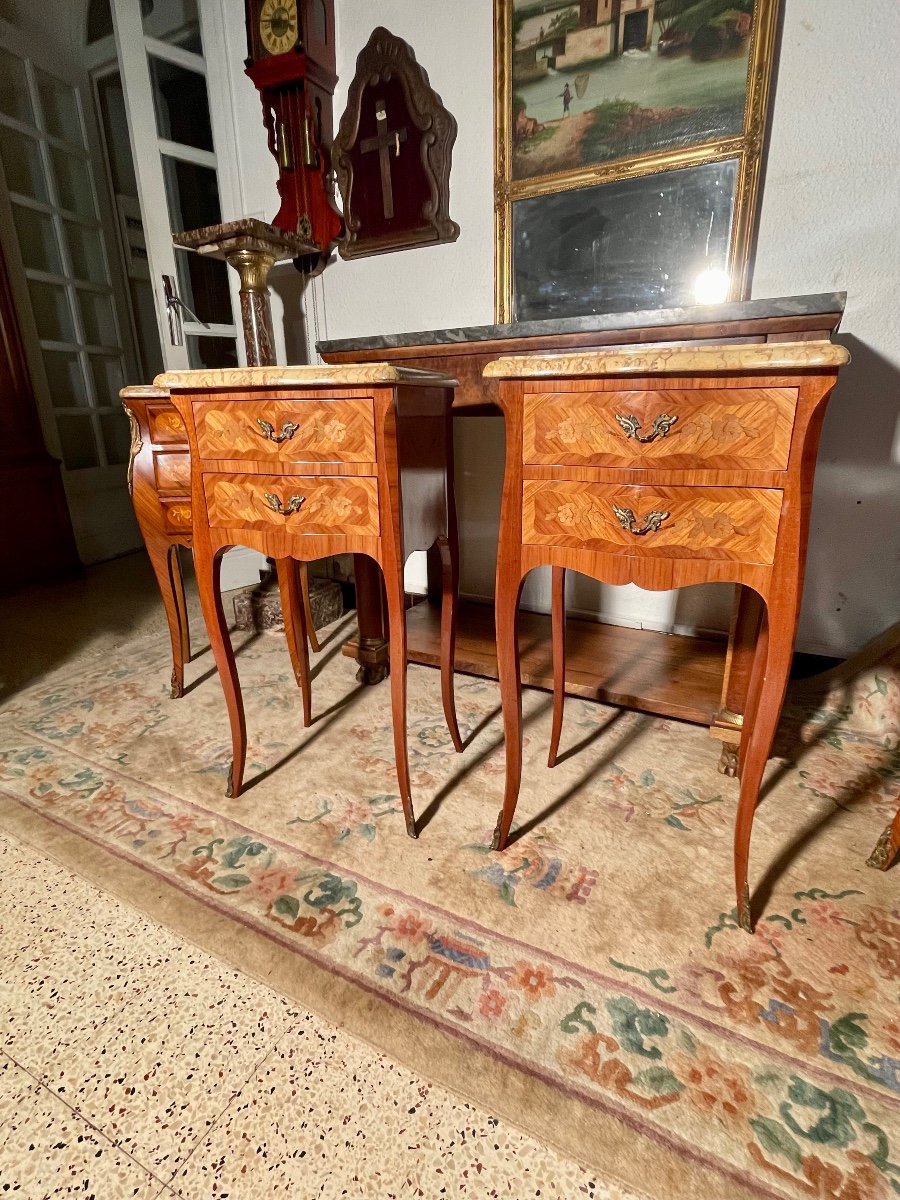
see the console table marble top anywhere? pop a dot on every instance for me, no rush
(830, 303)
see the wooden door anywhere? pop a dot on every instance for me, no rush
(36, 540)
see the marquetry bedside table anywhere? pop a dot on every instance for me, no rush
(663, 467)
(159, 482)
(304, 462)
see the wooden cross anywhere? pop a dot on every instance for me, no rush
(382, 142)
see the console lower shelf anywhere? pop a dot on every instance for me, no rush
(661, 673)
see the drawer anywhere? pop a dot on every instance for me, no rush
(300, 504)
(177, 516)
(287, 431)
(166, 425)
(173, 471)
(737, 428)
(737, 524)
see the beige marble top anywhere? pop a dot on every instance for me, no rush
(143, 391)
(354, 375)
(670, 360)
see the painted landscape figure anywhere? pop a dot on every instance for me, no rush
(643, 76)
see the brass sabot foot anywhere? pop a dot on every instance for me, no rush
(728, 761)
(744, 919)
(884, 853)
(496, 841)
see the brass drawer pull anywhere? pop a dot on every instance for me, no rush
(292, 506)
(288, 429)
(661, 426)
(628, 520)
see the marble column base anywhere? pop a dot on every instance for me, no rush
(259, 607)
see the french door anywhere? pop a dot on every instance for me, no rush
(66, 286)
(165, 116)
(169, 183)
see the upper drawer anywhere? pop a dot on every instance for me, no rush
(166, 425)
(728, 428)
(288, 432)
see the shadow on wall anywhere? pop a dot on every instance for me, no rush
(295, 293)
(304, 319)
(852, 590)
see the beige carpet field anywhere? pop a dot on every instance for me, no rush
(590, 983)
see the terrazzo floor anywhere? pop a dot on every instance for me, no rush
(133, 1064)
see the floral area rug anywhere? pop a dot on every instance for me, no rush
(591, 983)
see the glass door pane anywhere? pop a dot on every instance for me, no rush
(48, 172)
(170, 131)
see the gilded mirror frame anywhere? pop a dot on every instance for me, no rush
(746, 148)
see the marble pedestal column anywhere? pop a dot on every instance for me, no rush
(252, 247)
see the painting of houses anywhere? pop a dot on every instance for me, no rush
(594, 81)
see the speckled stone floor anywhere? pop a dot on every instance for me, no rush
(133, 1064)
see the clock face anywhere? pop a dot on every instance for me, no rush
(278, 27)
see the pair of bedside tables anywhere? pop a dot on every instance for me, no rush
(665, 467)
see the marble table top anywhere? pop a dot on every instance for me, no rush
(826, 303)
(287, 377)
(671, 360)
(248, 233)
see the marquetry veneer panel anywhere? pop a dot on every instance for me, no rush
(737, 524)
(327, 504)
(341, 430)
(166, 425)
(740, 428)
(177, 517)
(173, 471)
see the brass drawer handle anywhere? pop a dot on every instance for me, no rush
(628, 520)
(288, 429)
(292, 506)
(661, 426)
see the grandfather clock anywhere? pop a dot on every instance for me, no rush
(292, 63)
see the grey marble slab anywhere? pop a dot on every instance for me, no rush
(739, 310)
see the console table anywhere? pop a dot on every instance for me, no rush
(664, 467)
(712, 678)
(304, 462)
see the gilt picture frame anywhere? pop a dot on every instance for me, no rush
(629, 141)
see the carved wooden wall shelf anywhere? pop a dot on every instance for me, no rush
(392, 154)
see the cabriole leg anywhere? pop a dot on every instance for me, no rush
(295, 630)
(449, 592)
(208, 569)
(558, 643)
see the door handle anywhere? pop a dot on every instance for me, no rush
(174, 308)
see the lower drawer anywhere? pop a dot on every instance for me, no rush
(300, 504)
(738, 524)
(177, 516)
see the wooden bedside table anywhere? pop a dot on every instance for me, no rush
(159, 482)
(303, 462)
(663, 467)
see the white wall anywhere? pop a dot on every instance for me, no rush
(829, 221)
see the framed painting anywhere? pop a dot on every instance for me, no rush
(629, 142)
